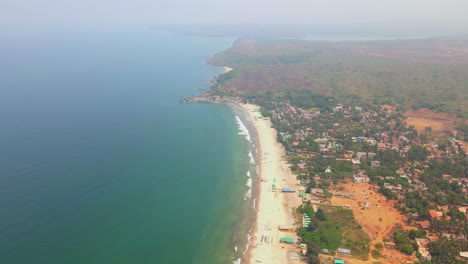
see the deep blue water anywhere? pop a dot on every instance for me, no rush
(98, 161)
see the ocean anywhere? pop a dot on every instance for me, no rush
(100, 164)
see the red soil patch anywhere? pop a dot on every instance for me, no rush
(441, 123)
(378, 220)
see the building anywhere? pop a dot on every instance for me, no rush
(344, 251)
(286, 240)
(423, 253)
(363, 178)
(338, 261)
(356, 162)
(434, 215)
(390, 244)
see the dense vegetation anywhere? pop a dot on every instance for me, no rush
(305, 99)
(405, 241)
(446, 251)
(378, 74)
(331, 228)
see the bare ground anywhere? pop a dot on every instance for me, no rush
(378, 221)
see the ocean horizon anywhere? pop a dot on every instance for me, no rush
(100, 164)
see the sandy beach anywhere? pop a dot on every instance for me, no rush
(273, 207)
(227, 69)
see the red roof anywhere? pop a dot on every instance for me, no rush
(434, 214)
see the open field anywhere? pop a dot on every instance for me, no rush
(440, 123)
(378, 220)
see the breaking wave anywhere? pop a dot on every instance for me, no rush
(243, 129)
(252, 160)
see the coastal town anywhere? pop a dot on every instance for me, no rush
(392, 193)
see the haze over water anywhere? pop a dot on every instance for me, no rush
(100, 164)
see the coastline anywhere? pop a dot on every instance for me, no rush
(272, 208)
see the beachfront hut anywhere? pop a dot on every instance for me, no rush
(344, 251)
(285, 227)
(287, 190)
(286, 240)
(338, 261)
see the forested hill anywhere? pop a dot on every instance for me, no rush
(423, 73)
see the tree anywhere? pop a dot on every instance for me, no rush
(320, 215)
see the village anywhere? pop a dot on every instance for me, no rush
(406, 189)
(359, 145)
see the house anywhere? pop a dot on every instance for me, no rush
(381, 146)
(403, 138)
(463, 209)
(422, 242)
(321, 140)
(363, 178)
(390, 244)
(302, 165)
(361, 139)
(359, 155)
(344, 251)
(423, 253)
(316, 191)
(434, 215)
(356, 162)
(424, 225)
(375, 164)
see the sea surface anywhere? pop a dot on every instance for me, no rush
(100, 164)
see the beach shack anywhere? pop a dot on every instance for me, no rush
(287, 190)
(287, 240)
(285, 227)
(338, 261)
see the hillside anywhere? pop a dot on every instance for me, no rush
(429, 73)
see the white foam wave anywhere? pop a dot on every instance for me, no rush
(243, 129)
(252, 160)
(237, 261)
(248, 194)
(248, 244)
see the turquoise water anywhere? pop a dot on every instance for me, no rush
(98, 162)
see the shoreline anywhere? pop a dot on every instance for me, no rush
(272, 208)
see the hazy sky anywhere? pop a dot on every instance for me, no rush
(32, 14)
